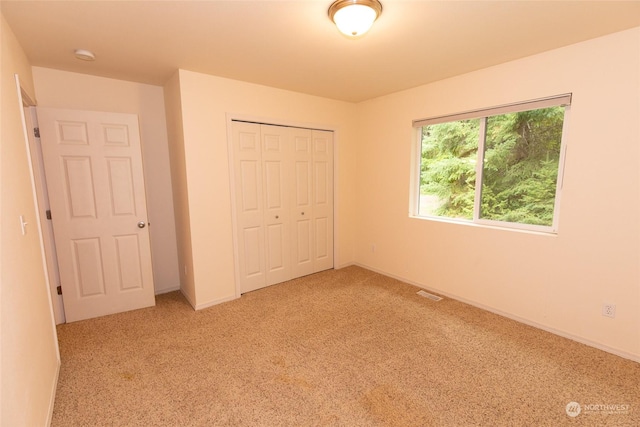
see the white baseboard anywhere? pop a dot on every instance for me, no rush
(564, 334)
(349, 264)
(167, 290)
(215, 302)
(197, 307)
(188, 298)
(54, 387)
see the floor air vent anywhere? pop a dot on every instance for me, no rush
(430, 296)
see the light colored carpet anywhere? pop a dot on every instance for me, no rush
(339, 348)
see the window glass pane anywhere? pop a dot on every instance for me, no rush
(448, 169)
(520, 169)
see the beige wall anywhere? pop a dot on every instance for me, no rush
(62, 89)
(205, 101)
(29, 351)
(557, 282)
(179, 185)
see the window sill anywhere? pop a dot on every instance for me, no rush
(519, 228)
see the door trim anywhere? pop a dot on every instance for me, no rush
(231, 117)
(26, 101)
(47, 227)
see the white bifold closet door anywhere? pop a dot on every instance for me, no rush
(283, 181)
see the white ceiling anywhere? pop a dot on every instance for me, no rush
(293, 45)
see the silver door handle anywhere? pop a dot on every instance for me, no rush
(141, 224)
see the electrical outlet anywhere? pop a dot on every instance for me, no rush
(609, 310)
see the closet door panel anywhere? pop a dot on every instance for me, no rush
(252, 241)
(283, 179)
(302, 204)
(276, 163)
(249, 205)
(322, 228)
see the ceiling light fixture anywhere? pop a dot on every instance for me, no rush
(85, 55)
(354, 17)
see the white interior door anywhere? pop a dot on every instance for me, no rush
(276, 163)
(322, 200)
(283, 191)
(249, 205)
(93, 167)
(303, 239)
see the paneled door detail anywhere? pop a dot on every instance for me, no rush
(302, 205)
(322, 228)
(276, 161)
(93, 168)
(283, 192)
(249, 205)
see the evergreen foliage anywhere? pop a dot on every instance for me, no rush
(522, 152)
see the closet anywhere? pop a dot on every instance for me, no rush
(282, 182)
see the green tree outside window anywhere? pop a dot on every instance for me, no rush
(519, 170)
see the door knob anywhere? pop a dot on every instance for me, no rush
(141, 224)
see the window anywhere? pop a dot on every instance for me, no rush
(499, 166)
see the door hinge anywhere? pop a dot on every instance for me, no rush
(36, 132)
(59, 289)
(48, 213)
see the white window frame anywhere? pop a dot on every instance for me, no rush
(482, 114)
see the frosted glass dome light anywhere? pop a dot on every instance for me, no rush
(355, 17)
